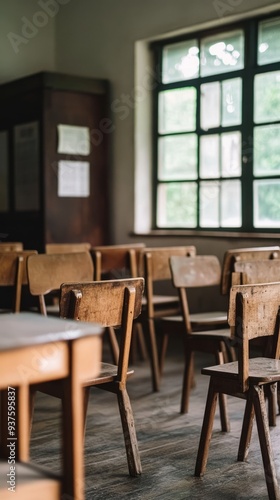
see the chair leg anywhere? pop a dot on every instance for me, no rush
(86, 401)
(163, 350)
(246, 432)
(138, 345)
(153, 351)
(271, 394)
(187, 379)
(141, 342)
(265, 443)
(129, 432)
(225, 424)
(114, 346)
(206, 431)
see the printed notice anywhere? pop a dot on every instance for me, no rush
(73, 140)
(73, 178)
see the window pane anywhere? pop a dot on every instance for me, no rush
(177, 110)
(231, 102)
(178, 157)
(209, 156)
(267, 97)
(210, 100)
(222, 53)
(231, 154)
(269, 41)
(220, 204)
(231, 204)
(267, 203)
(177, 204)
(180, 61)
(209, 204)
(267, 150)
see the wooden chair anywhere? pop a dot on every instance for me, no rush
(154, 267)
(11, 246)
(254, 272)
(47, 272)
(114, 303)
(253, 313)
(118, 262)
(236, 254)
(197, 273)
(13, 274)
(188, 273)
(51, 248)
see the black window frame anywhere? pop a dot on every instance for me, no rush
(251, 68)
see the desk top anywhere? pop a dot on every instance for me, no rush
(27, 329)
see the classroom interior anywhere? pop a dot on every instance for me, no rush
(101, 50)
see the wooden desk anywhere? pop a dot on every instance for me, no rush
(33, 349)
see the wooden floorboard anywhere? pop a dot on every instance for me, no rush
(168, 442)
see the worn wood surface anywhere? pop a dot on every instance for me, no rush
(67, 247)
(235, 254)
(168, 441)
(13, 273)
(11, 246)
(47, 271)
(259, 271)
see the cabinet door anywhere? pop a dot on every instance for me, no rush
(75, 184)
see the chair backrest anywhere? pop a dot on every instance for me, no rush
(253, 314)
(236, 254)
(13, 272)
(67, 247)
(154, 267)
(192, 272)
(11, 246)
(46, 272)
(258, 271)
(198, 271)
(116, 261)
(111, 303)
(154, 261)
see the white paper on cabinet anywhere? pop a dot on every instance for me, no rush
(73, 179)
(73, 140)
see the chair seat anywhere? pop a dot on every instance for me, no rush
(32, 482)
(209, 317)
(162, 299)
(108, 373)
(218, 317)
(261, 370)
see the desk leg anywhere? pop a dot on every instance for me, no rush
(85, 356)
(15, 413)
(73, 439)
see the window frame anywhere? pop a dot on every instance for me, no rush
(251, 68)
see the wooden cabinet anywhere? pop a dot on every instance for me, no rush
(54, 160)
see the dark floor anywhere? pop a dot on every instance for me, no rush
(168, 443)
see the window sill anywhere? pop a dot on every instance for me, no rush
(206, 234)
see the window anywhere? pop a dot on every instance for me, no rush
(217, 129)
